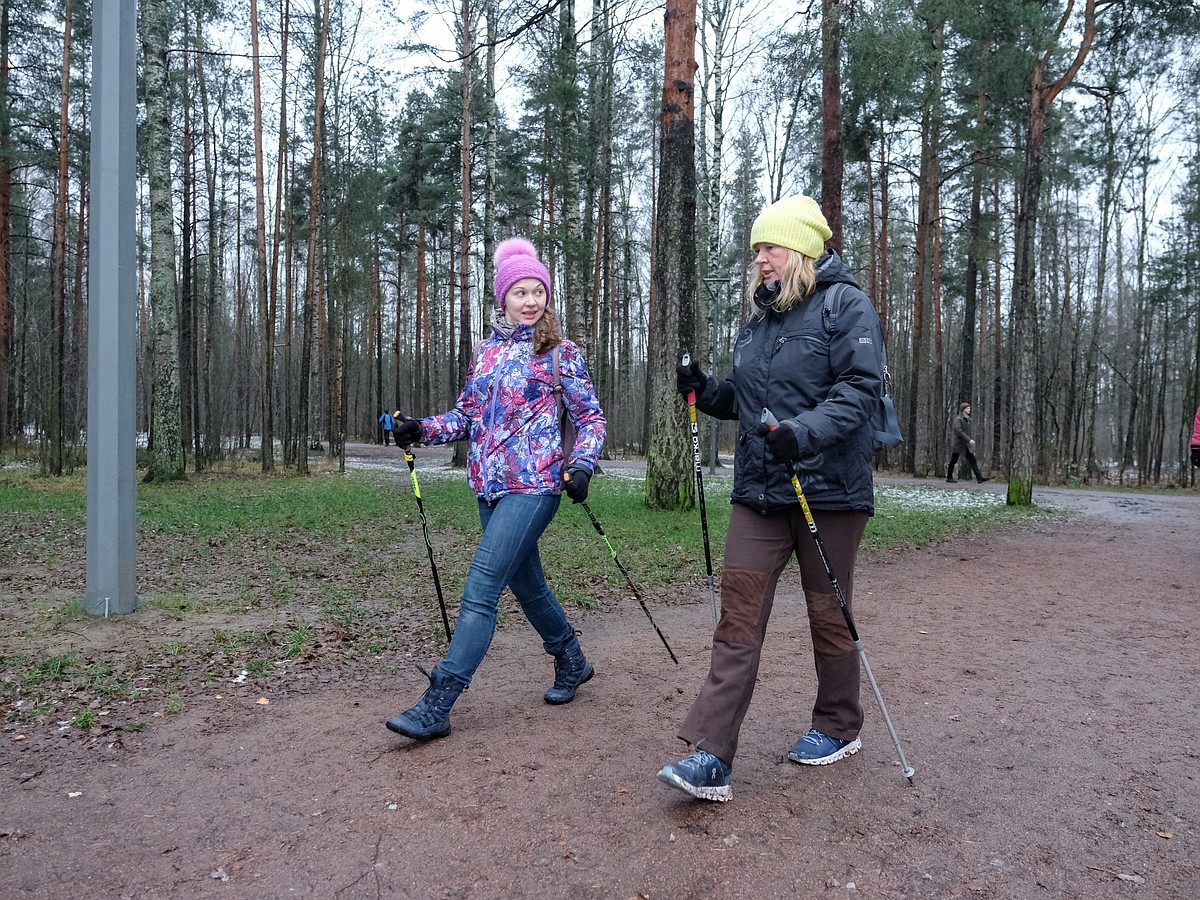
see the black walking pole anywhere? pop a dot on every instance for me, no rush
(632, 586)
(708, 568)
(771, 422)
(437, 583)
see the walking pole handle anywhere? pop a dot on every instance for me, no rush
(685, 361)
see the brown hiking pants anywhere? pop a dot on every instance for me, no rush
(757, 550)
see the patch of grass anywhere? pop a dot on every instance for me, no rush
(343, 610)
(295, 640)
(922, 516)
(177, 605)
(24, 493)
(84, 720)
(116, 689)
(271, 505)
(234, 641)
(259, 667)
(174, 705)
(53, 668)
(32, 713)
(283, 592)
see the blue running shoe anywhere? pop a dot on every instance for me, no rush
(817, 749)
(702, 775)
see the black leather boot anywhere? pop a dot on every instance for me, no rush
(430, 717)
(571, 669)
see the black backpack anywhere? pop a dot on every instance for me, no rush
(885, 426)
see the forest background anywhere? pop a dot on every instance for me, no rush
(322, 185)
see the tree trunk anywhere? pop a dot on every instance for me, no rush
(669, 482)
(6, 421)
(58, 265)
(168, 458)
(187, 231)
(465, 337)
(832, 156)
(1024, 305)
(288, 434)
(313, 287)
(966, 378)
(574, 304)
(262, 285)
(491, 154)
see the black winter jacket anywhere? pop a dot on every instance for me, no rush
(823, 386)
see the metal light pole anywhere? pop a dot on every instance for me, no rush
(112, 325)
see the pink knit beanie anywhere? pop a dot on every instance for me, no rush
(517, 258)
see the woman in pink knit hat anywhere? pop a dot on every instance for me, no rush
(509, 411)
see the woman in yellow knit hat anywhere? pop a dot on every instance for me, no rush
(822, 382)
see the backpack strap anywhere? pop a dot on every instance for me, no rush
(556, 377)
(885, 424)
(833, 305)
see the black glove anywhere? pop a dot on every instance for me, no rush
(689, 378)
(406, 431)
(1196, 456)
(781, 443)
(577, 483)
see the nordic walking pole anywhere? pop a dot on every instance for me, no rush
(772, 423)
(691, 401)
(437, 583)
(596, 524)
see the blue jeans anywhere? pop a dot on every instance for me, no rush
(507, 556)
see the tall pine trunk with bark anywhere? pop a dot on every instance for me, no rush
(58, 267)
(266, 325)
(1042, 93)
(669, 483)
(6, 426)
(832, 151)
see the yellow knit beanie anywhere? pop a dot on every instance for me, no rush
(792, 222)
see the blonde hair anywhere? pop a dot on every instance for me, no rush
(797, 280)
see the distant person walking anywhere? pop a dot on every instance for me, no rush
(962, 444)
(1196, 440)
(388, 423)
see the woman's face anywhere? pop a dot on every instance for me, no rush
(771, 259)
(525, 302)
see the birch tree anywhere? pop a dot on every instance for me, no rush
(167, 422)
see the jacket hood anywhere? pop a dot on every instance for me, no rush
(832, 270)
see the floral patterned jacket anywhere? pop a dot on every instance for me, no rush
(509, 412)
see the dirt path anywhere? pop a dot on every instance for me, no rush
(1043, 682)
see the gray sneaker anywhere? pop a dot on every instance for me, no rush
(702, 775)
